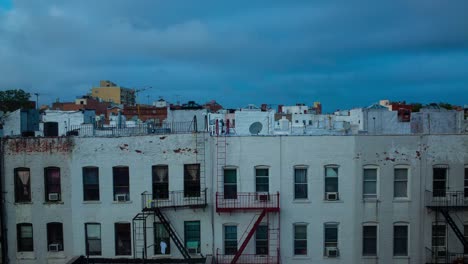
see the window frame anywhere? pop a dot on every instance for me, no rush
(438, 193)
(186, 233)
(51, 228)
(334, 225)
(48, 185)
(116, 174)
(20, 186)
(328, 178)
(119, 251)
(376, 237)
(408, 182)
(406, 225)
(465, 182)
(306, 183)
(157, 240)
(230, 249)
(297, 240)
(160, 189)
(87, 187)
(444, 225)
(257, 177)
(87, 239)
(230, 194)
(371, 196)
(262, 240)
(21, 245)
(192, 187)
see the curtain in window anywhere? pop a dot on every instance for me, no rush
(54, 180)
(192, 170)
(24, 178)
(161, 173)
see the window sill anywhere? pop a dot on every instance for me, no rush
(370, 200)
(56, 255)
(91, 202)
(161, 256)
(301, 201)
(300, 257)
(25, 255)
(59, 202)
(333, 201)
(401, 257)
(23, 203)
(401, 200)
(126, 202)
(369, 257)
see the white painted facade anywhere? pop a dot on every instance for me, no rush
(68, 119)
(280, 154)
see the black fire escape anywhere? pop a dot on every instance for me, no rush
(447, 204)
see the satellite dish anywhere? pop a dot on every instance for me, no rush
(255, 128)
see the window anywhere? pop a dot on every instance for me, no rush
(24, 234)
(261, 180)
(261, 240)
(400, 184)
(331, 236)
(52, 184)
(465, 234)
(121, 183)
(466, 182)
(123, 242)
(162, 243)
(192, 235)
(230, 184)
(300, 183)
(439, 234)
(160, 182)
(55, 236)
(369, 240)
(439, 181)
(400, 240)
(22, 185)
(230, 240)
(370, 183)
(90, 183)
(192, 180)
(93, 239)
(300, 239)
(331, 183)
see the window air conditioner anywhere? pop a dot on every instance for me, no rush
(54, 247)
(53, 196)
(263, 197)
(121, 197)
(331, 252)
(331, 196)
(193, 250)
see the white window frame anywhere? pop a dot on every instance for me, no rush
(224, 236)
(301, 167)
(231, 167)
(377, 183)
(465, 181)
(407, 239)
(408, 182)
(294, 239)
(336, 225)
(269, 175)
(325, 180)
(447, 173)
(376, 240)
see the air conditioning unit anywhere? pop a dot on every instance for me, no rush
(263, 197)
(331, 196)
(193, 250)
(121, 197)
(440, 251)
(331, 252)
(54, 247)
(54, 196)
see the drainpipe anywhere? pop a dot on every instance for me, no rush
(3, 233)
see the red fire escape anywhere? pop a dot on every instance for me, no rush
(264, 205)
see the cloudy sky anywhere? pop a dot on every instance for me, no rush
(342, 53)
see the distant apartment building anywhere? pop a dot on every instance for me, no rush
(83, 103)
(111, 92)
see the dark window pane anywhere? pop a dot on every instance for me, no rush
(91, 184)
(123, 242)
(55, 235)
(192, 180)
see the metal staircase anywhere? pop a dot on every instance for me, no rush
(172, 234)
(249, 236)
(139, 235)
(454, 227)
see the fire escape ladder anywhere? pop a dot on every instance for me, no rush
(454, 227)
(172, 234)
(221, 149)
(139, 235)
(249, 236)
(200, 156)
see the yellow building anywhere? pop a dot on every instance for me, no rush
(111, 92)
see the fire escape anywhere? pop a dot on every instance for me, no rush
(265, 207)
(153, 209)
(447, 204)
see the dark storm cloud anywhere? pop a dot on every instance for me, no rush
(343, 53)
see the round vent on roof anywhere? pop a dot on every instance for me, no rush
(255, 128)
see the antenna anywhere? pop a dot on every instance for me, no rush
(37, 100)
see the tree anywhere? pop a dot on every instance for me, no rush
(11, 100)
(415, 107)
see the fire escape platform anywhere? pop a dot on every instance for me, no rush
(247, 202)
(174, 200)
(451, 200)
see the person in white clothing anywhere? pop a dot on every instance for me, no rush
(163, 246)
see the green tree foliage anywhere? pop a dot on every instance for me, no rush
(446, 106)
(11, 100)
(415, 107)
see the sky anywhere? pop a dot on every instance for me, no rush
(342, 53)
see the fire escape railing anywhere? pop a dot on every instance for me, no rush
(247, 201)
(173, 199)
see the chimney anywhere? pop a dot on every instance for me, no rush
(280, 108)
(264, 107)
